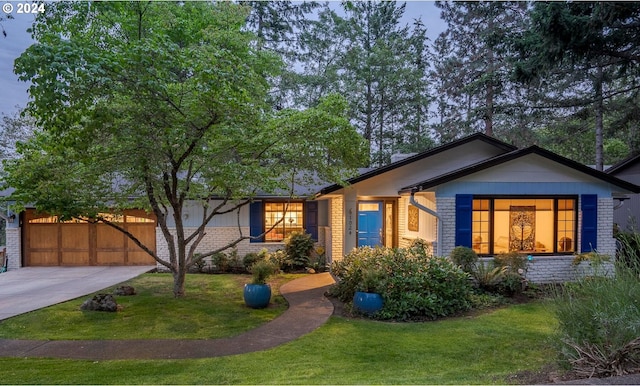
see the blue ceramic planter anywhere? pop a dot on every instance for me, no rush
(368, 303)
(257, 295)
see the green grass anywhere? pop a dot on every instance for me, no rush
(213, 308)
(467, 350)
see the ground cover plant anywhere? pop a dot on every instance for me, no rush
(213, 308)
(483, 349)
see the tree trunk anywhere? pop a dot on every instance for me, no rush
(599, 109)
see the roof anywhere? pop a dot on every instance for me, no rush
(624, 164)
(428, 153)
(515, 154)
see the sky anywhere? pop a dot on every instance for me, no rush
(13, 92)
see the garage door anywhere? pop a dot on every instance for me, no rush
(48, 242)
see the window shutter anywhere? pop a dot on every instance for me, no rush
(589, 207)
(311, 219)
(464, 209)
(256, 221)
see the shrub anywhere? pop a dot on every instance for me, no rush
(220, 262)
(261, 270)
(465, 257)
(415, 285)
(279, 259)
(250, 258)
(298, 247)
(599, 324)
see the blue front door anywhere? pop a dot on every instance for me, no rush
(369, 223)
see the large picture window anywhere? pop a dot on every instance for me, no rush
(292, 212)
(528, 225)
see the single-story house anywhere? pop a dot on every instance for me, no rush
(477, 192)
(626, 215)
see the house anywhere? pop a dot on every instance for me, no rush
(477, 192)
(627, 214)
(484, 194)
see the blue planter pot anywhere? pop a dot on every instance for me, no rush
(368, 303)
(257, 295)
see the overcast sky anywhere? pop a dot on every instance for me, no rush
(13, 93)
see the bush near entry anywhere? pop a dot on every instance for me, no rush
(415, 285)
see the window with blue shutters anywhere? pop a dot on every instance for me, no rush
(492, 225)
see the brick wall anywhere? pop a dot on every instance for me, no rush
(217, 237)
(14, 248)
(336, 219)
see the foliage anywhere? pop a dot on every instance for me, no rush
(298, 247)
(488, 277)
(373, 280)
(261, 270)
(599, 324)
(505, 274)
(629, 249)
(415, 285)
(318, 260)
(250, 258)
(465, 257)
(279, 259)
(165, 102)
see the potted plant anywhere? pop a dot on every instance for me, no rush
(258, 293)
(367, 298)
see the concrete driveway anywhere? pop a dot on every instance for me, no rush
(31, 288)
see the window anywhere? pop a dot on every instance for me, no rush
(528, 225)
(273, 217)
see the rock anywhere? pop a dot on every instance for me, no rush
(311, 270)
(100, 302)
(125, 290)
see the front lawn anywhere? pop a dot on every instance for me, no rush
(479, 349)
(213, 308)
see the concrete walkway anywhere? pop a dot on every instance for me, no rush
(308, 310)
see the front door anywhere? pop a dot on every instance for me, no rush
(370, 223)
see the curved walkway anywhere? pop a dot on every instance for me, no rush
(308, 310)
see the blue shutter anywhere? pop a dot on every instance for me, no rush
(589, 207)
(464, 209)
(256, 221)
(311, 219)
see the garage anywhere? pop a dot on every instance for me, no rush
(49, 242)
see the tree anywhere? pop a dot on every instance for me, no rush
(474, 57)
(597, 39)
(378, 64)
(151, 105)
(14, 129)
(277, 25)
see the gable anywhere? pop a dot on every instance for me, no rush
(388, 180)
(628, 169)
(527, 171)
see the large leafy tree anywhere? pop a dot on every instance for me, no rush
(154, 104)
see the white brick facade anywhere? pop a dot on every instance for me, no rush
(217, 237)
(14, 248)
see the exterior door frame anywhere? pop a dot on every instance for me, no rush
(386, 205)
